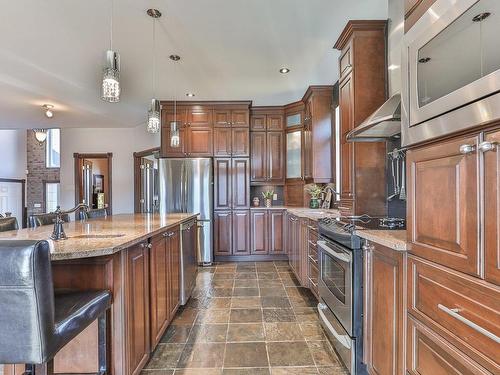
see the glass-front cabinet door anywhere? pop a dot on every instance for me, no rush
(294, 154)
(294, 119)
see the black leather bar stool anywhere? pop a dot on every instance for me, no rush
(8, 223)
(95, 213)
(35, 322)
(37, 220)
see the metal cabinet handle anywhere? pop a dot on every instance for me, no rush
(486, 146)
(467, 149)
(368, 247)
(312, 227)
(146, 245)
(455, 313)
(312, 243)
(168, 234)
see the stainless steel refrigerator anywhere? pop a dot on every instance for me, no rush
(186, 185)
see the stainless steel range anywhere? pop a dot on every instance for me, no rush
(340, 285)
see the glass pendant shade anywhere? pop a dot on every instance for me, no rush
(154, 117)
(175, 140)
(111, 78)
(40, 135)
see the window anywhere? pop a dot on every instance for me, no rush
(52, 196)
(53, 149)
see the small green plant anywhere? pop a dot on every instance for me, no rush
(315, 191)
(268, 194)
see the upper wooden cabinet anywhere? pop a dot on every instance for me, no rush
(362, 89)
(492, 206)
(200, 116)
(267, 118)
(232, 116)
(231, 183)
(199, 141)
(231, 142)
(258, 151)
(414, 9)
(241, 183)
(443, 209)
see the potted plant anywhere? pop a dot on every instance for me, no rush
(268, 197)
(314, 191)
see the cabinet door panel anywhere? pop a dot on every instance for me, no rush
(222, 142)
(200, 142)
(276, 232)
(274, 122)
(240, 118)
(222, 184)
(346, 149)
(200, 116)
(137, 305)
(258, 123)
(222, 233)
(173, 248)
(275, 152)
(240, 139)
(492, 209)
(241, 183)
(241, 232)
(259, 232)
(159, 286)
(258, 157)
(222, 117)
(443, 205)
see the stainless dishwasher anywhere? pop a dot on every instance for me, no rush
(189, 263)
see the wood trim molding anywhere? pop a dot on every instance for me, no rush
(317, 89)
(358, 25)
(246, 103)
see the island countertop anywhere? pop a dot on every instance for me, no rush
(103, 236)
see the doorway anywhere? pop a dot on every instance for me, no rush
(146, 181)
(93, 180)
(12, 199)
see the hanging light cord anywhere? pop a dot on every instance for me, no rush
(175, 95)
(111, 29)
(153, 83)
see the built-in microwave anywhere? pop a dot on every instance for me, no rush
(451, 69)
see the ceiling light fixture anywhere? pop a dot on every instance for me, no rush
(190, 94)
(154, 113)
(48, 110)
(40, 135)
(110, 88)
(175, 138)
(284, 70)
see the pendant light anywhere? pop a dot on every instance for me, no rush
(154, 113)
(40, 135)
(175, 140)
(110, 89)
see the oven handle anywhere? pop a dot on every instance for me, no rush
(343, 257)
(344, 340)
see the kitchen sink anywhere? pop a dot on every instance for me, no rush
(103, 236)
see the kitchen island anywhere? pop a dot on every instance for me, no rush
(134, 256)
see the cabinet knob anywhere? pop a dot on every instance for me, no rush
(466, 149)
(368, 247)
(486, 146)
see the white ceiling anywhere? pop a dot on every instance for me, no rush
(51, 51)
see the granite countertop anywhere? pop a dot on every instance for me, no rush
(88, 238)
(304, 212)
(393, 239)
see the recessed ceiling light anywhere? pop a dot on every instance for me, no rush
(174, 57)
(284, 70)
(190, 94)
(48, 110)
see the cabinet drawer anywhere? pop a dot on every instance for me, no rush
(313, 277)
(462, 309)
(429, 354)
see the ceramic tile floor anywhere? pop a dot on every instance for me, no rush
(245, 319)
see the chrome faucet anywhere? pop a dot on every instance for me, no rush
(58, 232)
(333, 191)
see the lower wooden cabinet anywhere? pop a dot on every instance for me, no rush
(241, 233)
(223, 232)
(276, 231)
(384, 310)
(298, 249)
(267, 232)
(137, 307)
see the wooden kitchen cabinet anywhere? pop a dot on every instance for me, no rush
(199, 141)
(443, 214)
(258, 158)
(222, 184)
(259, 230)
(227, 116)
(362, 89)
(241, 232)
(267, 119)
(297, 242)
(240, 142)
(492, 207)
(383, 287)
(276, 222)
(200, 116)
(223, 233)
(164, 281)
(240, 171)
(274, 122)
(313, 260)
(222, 142)
(293, 240)
(275, 157)
(137, 307)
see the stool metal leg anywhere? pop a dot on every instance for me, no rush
(103, 362)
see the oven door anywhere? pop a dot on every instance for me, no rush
(335, 281)
(453, 64)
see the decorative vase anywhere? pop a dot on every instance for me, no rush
(256, 201)
(268, 202)
(314, 203)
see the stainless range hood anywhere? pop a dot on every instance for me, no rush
(382, 124)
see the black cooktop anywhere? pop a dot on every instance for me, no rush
(341, 229)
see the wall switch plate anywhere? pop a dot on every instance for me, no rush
(275, 197)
